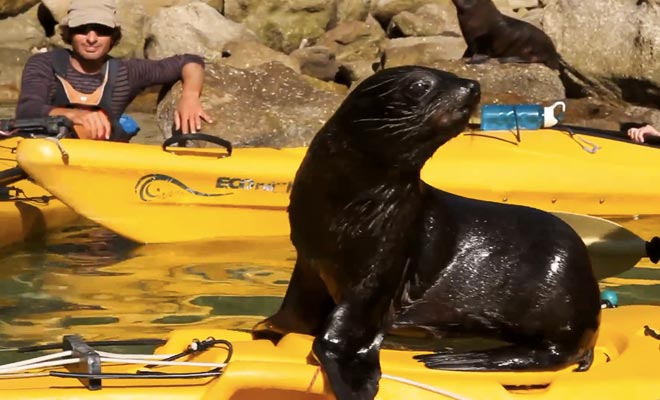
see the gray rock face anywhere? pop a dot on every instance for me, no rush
(616, 40)
(10, 8)
(22, 31)
(192, 28)
(13, 61)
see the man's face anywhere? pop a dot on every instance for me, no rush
(92, 41)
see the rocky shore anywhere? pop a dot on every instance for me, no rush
(276, 70)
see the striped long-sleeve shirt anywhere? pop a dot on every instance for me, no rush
(134, 75)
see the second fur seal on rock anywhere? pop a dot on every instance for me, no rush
(380, 250)
(490, 34)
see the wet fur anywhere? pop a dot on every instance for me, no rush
(379, 249)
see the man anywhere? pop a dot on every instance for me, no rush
(93, 89)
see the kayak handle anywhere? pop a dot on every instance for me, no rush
(183, 138)
(59, 126)
(653, 249)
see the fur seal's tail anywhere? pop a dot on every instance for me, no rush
(579, 85)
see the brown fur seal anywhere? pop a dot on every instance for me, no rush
(490, 34)
(379, 249)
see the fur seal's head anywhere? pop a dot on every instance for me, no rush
(400, 116)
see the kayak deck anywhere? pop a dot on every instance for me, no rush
(26, 209)
(186, 194)
(625, 367)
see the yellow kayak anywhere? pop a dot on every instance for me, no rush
(625, 367)
(185, 194)
(26, 209)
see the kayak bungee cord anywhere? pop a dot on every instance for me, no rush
(82, 355)
(95, 343)
(429, 388)
(197, 346)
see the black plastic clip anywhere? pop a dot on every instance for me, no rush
(90, 361)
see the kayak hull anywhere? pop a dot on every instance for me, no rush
(151, 195)
(625, 367)
(29, 210)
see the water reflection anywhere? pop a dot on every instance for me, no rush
(87, 280)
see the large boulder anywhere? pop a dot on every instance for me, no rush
(192, 28)
(10, 8)
(610, 39)
(22, 31)
(13, 61)
(268, 105)
(283, 26)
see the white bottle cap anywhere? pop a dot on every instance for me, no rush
(549, 118)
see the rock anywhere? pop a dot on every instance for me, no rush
(423, 50)
(192, 28)
(11, 8)
(352, 10)
(13, 61)
(610, 39)
(22, 31)
(509, 83)
(356, 45)
(283, 26)
(385, 10)
(269, 105)
(317, 61)
(428, 20)
(245, 54)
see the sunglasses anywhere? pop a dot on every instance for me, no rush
(100, 30)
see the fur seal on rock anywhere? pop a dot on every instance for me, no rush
(490, 34)
(379, 249)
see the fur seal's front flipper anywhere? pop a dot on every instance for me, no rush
(508, 358)
(303, 310)
(349, 356)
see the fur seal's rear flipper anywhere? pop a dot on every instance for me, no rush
(508, 358)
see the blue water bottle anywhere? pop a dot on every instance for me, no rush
(504, 117)
(129, 125)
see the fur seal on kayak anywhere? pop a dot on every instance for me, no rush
(378, 249)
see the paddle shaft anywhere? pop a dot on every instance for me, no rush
(612, 248)
(12, 175)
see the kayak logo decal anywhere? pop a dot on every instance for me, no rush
(226, 182)
(146, 190)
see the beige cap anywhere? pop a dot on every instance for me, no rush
(83, 12)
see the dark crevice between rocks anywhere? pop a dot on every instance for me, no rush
(46, 19)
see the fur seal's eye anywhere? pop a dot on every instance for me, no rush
(420, 87)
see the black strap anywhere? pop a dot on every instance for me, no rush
(181, 139)
(653, 141)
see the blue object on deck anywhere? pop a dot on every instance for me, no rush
(129, 125)
(504, 117)
(609, 299)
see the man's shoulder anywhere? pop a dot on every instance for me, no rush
(46, 56)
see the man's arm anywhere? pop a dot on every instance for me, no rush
(36, 82)
(189, 113)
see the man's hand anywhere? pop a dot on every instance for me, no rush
(637, 134)
(189, 113)
(88, 124)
